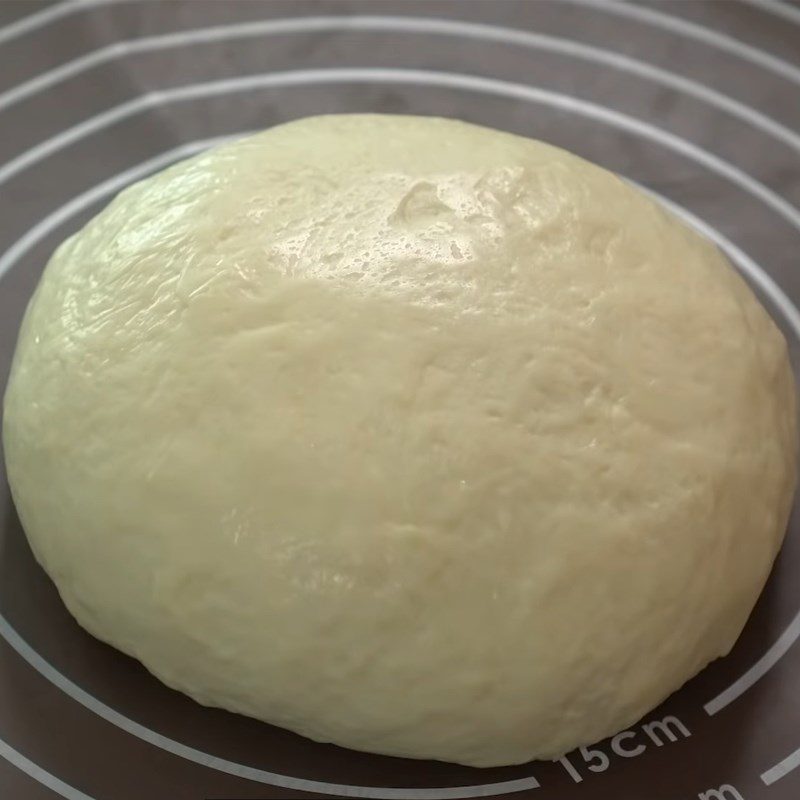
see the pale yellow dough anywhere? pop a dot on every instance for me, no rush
(404, 434)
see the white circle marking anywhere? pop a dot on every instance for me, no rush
(400, 24)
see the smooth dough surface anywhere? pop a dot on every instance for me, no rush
(404, 434)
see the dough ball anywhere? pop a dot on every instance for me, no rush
(403, 434)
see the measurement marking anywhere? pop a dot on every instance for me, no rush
(669, 728)
(665, 726)
(724, 792)
(39, 774)
(571, 771)
(758, 670)
(782, 768)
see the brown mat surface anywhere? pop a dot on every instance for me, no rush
(698, 101)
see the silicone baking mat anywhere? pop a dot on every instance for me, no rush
(697, 101)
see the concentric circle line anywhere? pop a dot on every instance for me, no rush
(42, 776)
(783, 10)
(41, 19)
(375, 75)
(105, 712)
(757, 671)
(657, 19)
(692, 30)
(405, 24)
(782, 768)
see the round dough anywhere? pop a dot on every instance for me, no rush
(404, 434)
